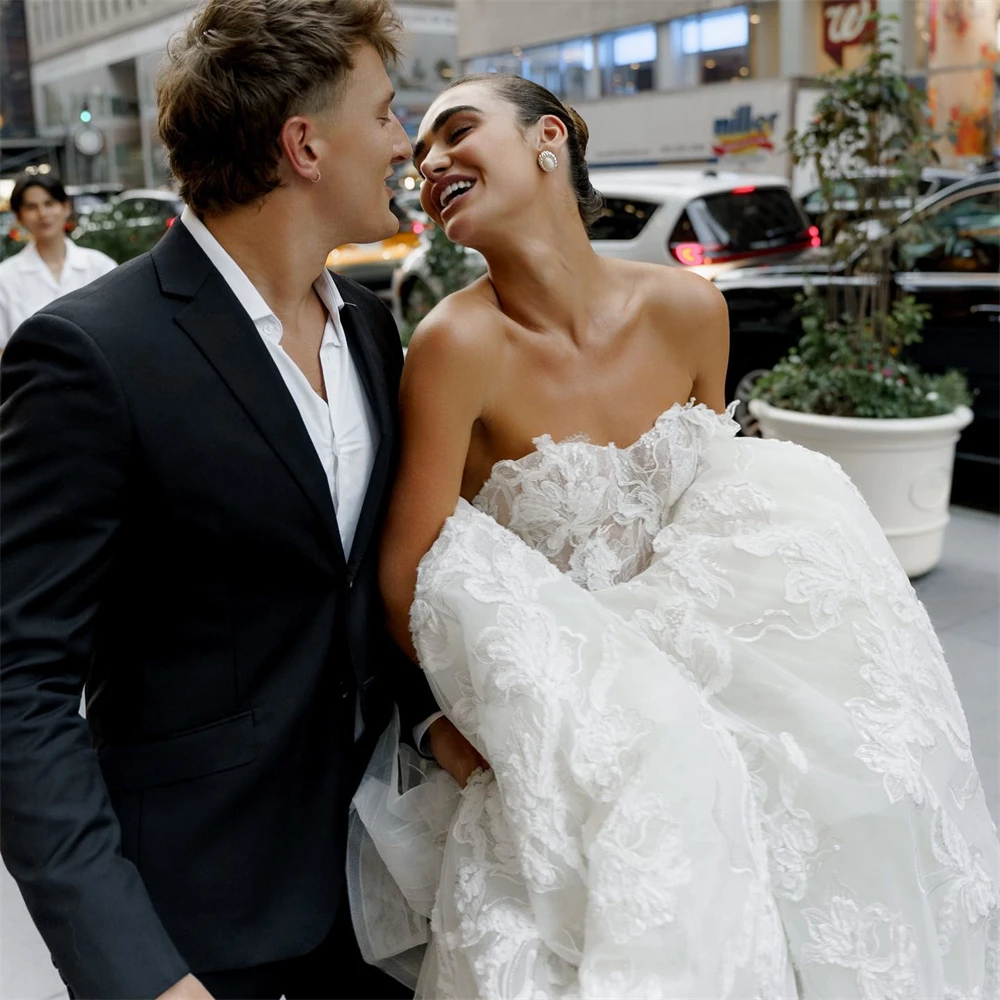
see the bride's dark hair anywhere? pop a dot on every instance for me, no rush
(533, 102)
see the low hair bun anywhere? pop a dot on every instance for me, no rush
(580, 125)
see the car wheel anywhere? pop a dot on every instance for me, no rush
(417, 301)
(743, 416)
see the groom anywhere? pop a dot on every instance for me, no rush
(196, 458)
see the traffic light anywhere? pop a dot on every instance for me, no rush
(85, 115)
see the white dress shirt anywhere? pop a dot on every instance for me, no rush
(341, 427)
(27, 284)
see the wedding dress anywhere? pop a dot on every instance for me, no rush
(727, 756)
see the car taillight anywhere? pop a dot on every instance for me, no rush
(170, 221)
(747, 189)
(688, 253)
(814, 238)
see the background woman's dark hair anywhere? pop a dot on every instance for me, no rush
(533, 102)
(48, 182)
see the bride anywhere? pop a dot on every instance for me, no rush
(704, 737)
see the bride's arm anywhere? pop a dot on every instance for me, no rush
(443, 391)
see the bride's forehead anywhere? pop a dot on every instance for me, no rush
(476, 95)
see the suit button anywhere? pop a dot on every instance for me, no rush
(343, 689)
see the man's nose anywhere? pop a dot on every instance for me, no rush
(402, 150)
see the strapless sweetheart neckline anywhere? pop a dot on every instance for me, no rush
(545, 441)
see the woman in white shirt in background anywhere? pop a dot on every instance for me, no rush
(51, 265)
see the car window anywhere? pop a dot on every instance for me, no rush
(622, 219)
(742, 220)
(145, 208)
(963, 234)
(89, 203)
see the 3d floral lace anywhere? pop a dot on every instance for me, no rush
(727, 756)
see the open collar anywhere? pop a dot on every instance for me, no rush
(244, 289)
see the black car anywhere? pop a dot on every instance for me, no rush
(848, 198)
(953, 265)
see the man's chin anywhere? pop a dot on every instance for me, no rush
(381, 230)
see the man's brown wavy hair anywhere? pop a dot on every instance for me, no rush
(239, 71)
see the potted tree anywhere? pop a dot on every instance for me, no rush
(847, 389)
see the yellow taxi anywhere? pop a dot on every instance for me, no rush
(372, 264)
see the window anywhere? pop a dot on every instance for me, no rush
(740, 223)
(714, 32)
(576, 60)
(54, 114)
(565, 68)
(710, 47)
(961, 235)
(542, 66)
(622, 219)
(44, 23)
(628, 60)
(504, 62)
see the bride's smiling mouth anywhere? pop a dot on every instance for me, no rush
(449, 191)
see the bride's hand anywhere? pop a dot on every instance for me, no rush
(453, 751)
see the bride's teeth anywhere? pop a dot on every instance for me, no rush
(453, 190)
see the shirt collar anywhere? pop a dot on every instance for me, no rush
(32, 259)
(75, 257)
(243, 288)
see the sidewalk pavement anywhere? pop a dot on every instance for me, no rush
(962, 596)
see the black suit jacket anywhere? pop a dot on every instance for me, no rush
(169, 539)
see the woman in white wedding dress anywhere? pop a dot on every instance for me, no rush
(725, 754)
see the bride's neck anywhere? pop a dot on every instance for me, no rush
(547, 281)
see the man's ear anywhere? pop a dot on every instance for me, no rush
(296, 143)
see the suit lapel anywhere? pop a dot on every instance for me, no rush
(372, 376)
(227, 337)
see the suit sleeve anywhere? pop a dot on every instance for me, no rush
(65, 439)
(412, 693)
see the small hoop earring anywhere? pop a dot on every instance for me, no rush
(316, 178)
(548, 160)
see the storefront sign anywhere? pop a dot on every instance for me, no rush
(846, 22)
(739, 127)
(743, 132)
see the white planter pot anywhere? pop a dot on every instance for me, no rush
(902, 468)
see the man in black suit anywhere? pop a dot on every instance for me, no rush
(197, 452)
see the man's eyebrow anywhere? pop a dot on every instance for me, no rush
(439, 123)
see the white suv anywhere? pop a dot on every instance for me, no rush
(707, 220)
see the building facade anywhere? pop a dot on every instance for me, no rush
(718, 81)
(94, 65)
(19, 146)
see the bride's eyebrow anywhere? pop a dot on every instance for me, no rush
(439, 123)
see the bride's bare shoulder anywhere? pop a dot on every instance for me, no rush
(682, 303)
(460, 338)
(682, 293)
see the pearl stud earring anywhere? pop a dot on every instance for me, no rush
(548, 161)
